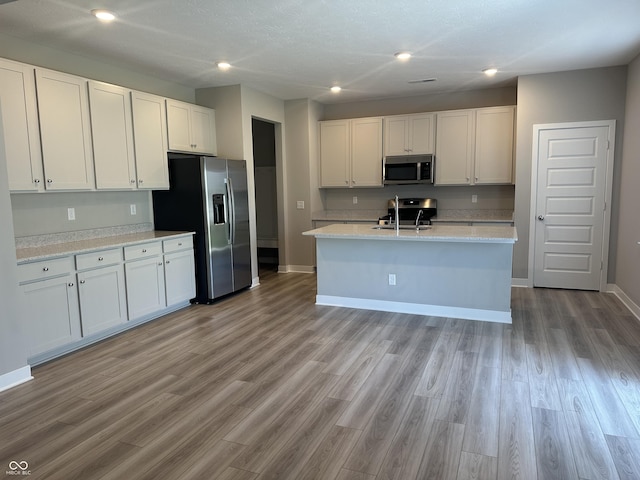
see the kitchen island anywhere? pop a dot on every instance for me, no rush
(440, 270)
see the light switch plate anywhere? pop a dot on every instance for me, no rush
(474, 198)
(355, 200)
(132, 208)
(71, 213)
(300, 204)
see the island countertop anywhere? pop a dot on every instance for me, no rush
(434, 233)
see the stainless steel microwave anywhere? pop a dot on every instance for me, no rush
(408, 169)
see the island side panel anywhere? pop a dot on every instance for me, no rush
(467, 275)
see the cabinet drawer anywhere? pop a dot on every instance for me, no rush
(175, 244)
(98, 259)
(29, 272)
(144, 250)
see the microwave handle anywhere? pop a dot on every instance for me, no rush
(433, 170)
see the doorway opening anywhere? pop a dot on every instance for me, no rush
(265, 174)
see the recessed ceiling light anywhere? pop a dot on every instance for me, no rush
(224, 65)
(490, 72)
(403, 55)
(336, 89)
(103, 15)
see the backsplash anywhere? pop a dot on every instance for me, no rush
(489, 197)
(47, 213)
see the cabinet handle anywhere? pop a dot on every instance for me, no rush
(70, 284)
(140, 181)
(36, 180)
(144, 250)
(82, 282)
(179, 244)
(100, 259)
(159, 264)
(168, 262)
(346, 182)
(45, 269)
(132, 181)
(49, 180)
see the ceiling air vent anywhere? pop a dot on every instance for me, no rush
(423, 80)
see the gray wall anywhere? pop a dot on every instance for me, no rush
(581, 95)
(627, 248)
(13, 350)
(44, 213)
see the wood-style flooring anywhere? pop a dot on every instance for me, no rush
(267, 385)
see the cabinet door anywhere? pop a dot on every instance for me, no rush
(203, 130)
(102, 298)
(112, 134)
(334, 153)
(422, 133)
(145, 287)
(454, 147)
(52, 318)
(150, 140)
(178, 123)
(494, 145)
(396, 135)
(63, 108)
(180, 277)
(366, 152)
(20, 126)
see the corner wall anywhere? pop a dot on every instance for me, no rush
(580, 95)
(627, 249)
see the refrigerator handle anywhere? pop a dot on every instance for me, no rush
(231, 212)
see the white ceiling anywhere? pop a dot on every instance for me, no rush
(299, 48)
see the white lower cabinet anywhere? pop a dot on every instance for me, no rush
(179, 276)
(102, 298)
(52, 316)
(145, 286)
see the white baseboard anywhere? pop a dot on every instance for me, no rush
(624, 298)
(520, 282)
(296, 269)
(15, 378)
(255, 281)
(415, 308)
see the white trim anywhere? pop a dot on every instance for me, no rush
(624, 298)
(606, 227)
(255, 281)
(520, 282)
(415, 308)
(296, 269)
(15, 378)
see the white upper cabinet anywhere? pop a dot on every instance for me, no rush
(20, 126)
(150, 140)
(494, 145)
(475, 147)
(351, 152)
(63, 109)
(409, 134)
(454, 147)
(191, 128)
(112, 133)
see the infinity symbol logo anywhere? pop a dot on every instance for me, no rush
(23, 465)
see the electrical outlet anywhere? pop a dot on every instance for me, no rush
(71, 213)
(132, 207)
(392, 279)
(300, 204)
(474, 198)
(355, 200)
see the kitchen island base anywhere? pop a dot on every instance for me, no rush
(433, 272)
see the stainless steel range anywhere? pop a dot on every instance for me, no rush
(411, 211)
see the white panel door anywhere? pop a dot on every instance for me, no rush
(203, 129)
(179, 126)
(570, 207)
(103, 302)
(150, 140)
(366, 152)
(334, 153)
(455, 137)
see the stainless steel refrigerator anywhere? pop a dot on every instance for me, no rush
(208, 195)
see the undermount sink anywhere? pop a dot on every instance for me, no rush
(402, 227)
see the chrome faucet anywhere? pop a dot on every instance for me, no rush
(418, 218)
(397, 214)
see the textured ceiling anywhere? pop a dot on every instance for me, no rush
(299, 48)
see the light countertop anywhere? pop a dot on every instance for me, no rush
(435, 233)
(40, 252)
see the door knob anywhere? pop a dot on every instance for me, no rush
(540, 217)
